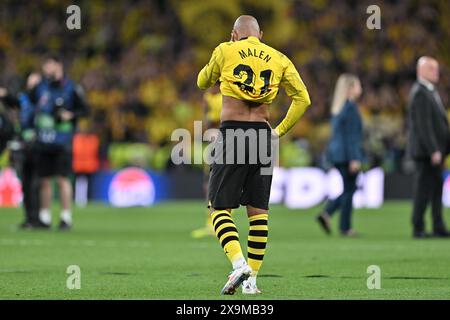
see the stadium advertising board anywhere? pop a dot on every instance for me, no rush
(308, 187)
(128, 187)
(295, 187)
(10, 188)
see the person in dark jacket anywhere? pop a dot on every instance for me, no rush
(22, 151)
(345, 150)
(428, 144)
(58, 104)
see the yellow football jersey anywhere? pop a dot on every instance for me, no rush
(250, 70)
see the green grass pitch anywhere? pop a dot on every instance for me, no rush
(147, 253)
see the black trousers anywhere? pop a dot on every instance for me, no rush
(30, 185)
(345, 200)
(428, 184)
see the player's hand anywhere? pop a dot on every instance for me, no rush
(274, 134)
(274, 137)
(3, 92)
(355, 166)
(66, 115)
(33, 80)
(436, 158)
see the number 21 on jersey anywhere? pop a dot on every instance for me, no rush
(246, 81)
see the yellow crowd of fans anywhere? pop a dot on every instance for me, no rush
(138, 60)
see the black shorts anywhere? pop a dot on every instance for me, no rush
(54, 161)
(241, 172)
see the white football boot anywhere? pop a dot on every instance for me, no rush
(249, 286)
(236, 278)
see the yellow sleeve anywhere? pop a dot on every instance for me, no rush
(210, 73)
(296, 89)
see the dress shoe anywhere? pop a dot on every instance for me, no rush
(441, 234)
(350, 234)
(324, 221)
(421, 235)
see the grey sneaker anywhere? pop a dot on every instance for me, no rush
(235, 279)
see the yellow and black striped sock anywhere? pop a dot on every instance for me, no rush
(257, 240)
(228, 235)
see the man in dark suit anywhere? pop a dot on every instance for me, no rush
(429, 138)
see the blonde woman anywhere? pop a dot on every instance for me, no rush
(345, 150)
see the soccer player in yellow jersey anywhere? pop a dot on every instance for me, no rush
(250, 73)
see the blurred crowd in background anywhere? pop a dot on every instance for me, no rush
(138, 62)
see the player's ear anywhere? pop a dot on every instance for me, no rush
(260, 35)
(234, 36)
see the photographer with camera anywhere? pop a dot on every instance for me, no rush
(59, 102)
(23, 151)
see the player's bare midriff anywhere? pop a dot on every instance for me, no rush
(238, 110)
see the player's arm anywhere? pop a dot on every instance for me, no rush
(296, 90)
(210, 73)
